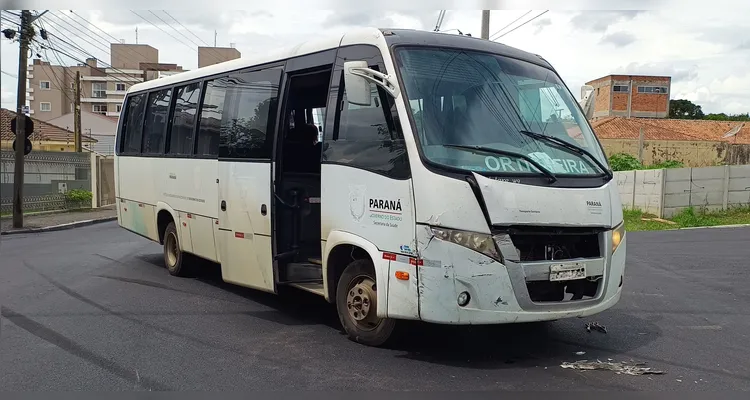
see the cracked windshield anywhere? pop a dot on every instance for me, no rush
(464, 99)
(327, 198)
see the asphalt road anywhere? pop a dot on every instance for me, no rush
(94, 309)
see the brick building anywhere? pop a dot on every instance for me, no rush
(641, 96)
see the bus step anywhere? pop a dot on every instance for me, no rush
(297, 272)
(316, 288)
(315, 260)
(287, 255)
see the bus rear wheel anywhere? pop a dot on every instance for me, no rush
(357, 305)
(174, 258)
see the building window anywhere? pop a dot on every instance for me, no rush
(99, 109)
(99, 90)
(120, 87)
(44, 85)
(652, 89)
(45, 106)
(620, 88)
(118, 107)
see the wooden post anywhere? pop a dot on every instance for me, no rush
(725, 203)
(640, 146)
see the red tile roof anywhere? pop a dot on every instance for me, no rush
(671, 129)
(43, 131)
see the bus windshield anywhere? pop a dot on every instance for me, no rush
(464, 101)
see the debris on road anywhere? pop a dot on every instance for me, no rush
(596, 326)
(617, 367)
(580, 353)
(664, 221)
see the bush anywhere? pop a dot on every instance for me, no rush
(624, 162)
(78, 197)
(667, 164)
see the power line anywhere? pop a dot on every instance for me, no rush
(212, 51)
(492, 37)
(159, 28)
(537, 16)
(96, 45)
(439, 22)
(173, 28)
(84, 52)
(105, 32)
(175, 20)
(9, 74)
(116, 40)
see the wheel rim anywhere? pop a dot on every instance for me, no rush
(172, 250)
(361, 303)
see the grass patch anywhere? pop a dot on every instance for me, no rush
(687, 218)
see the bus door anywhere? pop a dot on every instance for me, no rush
(245, 196)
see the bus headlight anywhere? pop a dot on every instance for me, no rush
(617, 234)
(479, 242)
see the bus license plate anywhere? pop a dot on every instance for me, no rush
(567, 272)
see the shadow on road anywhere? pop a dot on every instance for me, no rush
(476, 347)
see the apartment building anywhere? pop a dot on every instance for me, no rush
(51, 88)
(214, 55)
(643, 96)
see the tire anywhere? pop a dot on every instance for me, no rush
(174, 259)
(357, 286)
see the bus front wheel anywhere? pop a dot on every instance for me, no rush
(174, 258)
(357, 304)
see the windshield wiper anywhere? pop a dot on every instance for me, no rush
(545, 171)
(569, 146)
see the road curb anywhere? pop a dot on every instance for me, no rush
(60, 227)
(713, 227)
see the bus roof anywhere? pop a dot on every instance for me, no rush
(393, 37)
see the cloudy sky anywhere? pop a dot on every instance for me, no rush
(705, 50)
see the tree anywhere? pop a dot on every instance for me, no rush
(685, 109)
(730, 117)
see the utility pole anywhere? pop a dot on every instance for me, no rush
(215, 37)
(485, 24)
(77, 113)
(25, 36)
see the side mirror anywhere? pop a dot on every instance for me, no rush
(358, 90)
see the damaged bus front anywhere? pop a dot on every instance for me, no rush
(518, 217)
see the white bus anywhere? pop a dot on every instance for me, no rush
(401, 175)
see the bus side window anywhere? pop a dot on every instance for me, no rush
(249, 111)
(132, 124)
(154, 130)
(369, 138)
(211, 113)
(183, 119)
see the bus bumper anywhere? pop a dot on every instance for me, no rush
(498, 293)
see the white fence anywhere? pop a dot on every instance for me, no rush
(665, 192)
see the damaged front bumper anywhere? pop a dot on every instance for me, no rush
(497, 293)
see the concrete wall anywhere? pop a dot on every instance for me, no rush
(666, 192)
(692, 154)
(45, 174)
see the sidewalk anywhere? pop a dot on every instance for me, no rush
(58, 220)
